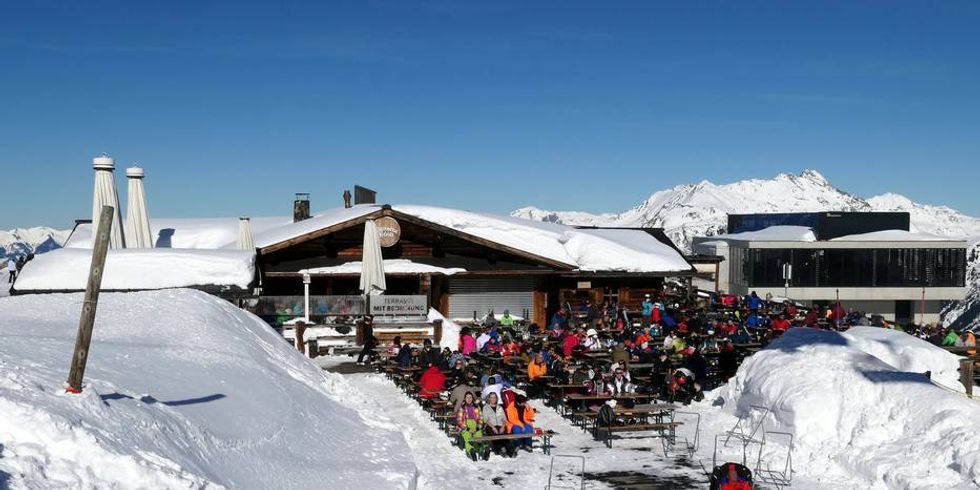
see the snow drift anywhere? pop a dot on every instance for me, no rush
(183, 390)
(860, 400)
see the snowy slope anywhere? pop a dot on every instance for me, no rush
(702, 209)
(183, 390)
(878, 417)
(21, 241)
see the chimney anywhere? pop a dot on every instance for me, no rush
(346, 199)
(301, 207)
(363, 195)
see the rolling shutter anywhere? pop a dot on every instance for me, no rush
(479, 294)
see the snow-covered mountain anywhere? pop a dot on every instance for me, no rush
(701, 209)
(22, 241)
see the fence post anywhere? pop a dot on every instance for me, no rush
(87, 320)
(299, 329)
(966, 374)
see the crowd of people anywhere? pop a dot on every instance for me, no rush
(669, 347)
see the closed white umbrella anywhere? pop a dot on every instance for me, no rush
(372, 265)
(137, 219)
(245, 234)
(105, 195)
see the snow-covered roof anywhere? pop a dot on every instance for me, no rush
(621, 250)
(584, 249)
(204, 233)
(67, 269)
(773, 234)
(892, 236)
(805, 234)
(318, 221)
(391, 266)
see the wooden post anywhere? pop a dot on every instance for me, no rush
(87, 320)
(299, 329)
(966, 374)
(437, 332)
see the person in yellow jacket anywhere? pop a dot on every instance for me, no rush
(537, 367)
(520, 415)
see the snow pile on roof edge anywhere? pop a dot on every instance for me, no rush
(67, 269)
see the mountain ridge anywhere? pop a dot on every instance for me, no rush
(38, 239)
(688, 210)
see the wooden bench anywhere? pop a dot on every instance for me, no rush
(605, 433)
(545, 437)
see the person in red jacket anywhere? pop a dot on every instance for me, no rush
(780, 324)
(567, 345)
(432, 382)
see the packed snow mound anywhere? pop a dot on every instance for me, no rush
(67, 269)
(907, 353)
(450, 330)
(182, 390)
(847, 407)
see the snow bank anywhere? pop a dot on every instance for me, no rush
(450, 330)
(146, 268)
(183, 390)
(908, 354)
(846, 407)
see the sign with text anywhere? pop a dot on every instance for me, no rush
(399, 305)
(389, 231)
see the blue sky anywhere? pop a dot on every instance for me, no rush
(231, 107)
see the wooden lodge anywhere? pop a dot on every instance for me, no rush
(461, 273)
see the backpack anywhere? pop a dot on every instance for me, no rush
(606, 416)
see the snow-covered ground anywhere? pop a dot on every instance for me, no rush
(183, 390)
(861, 410)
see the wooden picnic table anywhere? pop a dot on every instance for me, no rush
(579, 399)
(545, 437)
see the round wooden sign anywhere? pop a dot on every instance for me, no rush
(389, 231)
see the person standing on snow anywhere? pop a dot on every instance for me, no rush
(11, 269)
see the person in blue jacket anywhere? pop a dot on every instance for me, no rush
(404, 357)
(754, 301)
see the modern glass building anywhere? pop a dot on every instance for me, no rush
(860, 258)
